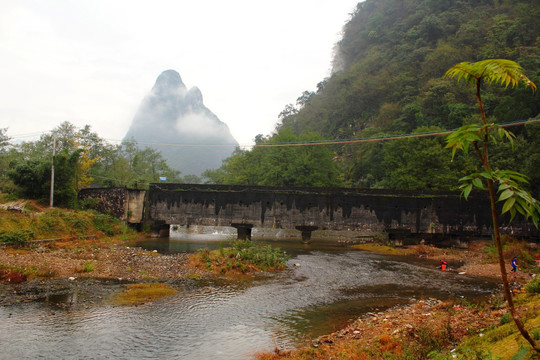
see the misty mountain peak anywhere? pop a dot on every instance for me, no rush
(194, 97)
(170, 114)
(168, 81)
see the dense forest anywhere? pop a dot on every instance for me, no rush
(388, 79)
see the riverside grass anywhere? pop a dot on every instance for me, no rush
(137, 294)
(18, 228)
(242, 257)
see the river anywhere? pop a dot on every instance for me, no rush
(325, 286)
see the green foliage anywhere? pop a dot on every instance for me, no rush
(387, 80)
(534, 286)
(50, 222)
(16, 237)
(492, 71)
(89, 203)
(65, 178)
(76, 222)
(515, 198)
(56, 223)
(88, 267)
(274, 165)
(418, 163)
(106, 223)
(243, 256)
(462, 138)
(32, 177)
(82, 158)
(129, 165)
(505, 319)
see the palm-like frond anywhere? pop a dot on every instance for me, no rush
(505, 72)
(464, 70)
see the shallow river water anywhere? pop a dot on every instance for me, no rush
(323, 288)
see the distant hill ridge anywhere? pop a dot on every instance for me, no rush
(388, 79)
(172, 114)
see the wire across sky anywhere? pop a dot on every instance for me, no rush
(378, 138)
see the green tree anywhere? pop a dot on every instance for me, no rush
(32, 177)
(4, 154)
(515, 199)
(386, 76)
(128, 165)
(66, 171)
(4, 140)
(279, 160)
(419, 163)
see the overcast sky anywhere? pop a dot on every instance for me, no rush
(92, 62)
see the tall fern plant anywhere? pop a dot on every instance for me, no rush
(505, 184)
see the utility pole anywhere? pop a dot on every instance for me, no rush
(51, 201)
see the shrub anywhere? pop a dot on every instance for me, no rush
(50, 222)
(534, 286)
(8, 197)
(88, 267)
(89, 203)
(108, 224)
(505, 319)
(242, 256)
(76, 221)
(16, 236)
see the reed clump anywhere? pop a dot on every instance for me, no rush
(137, 294)
(242, 257)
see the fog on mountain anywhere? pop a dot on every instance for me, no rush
(175, 121)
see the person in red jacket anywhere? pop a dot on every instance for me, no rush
(443, 265)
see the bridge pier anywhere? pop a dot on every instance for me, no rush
(244, 230)
(306, 232)
(160, 229)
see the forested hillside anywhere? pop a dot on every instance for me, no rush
(388, 79)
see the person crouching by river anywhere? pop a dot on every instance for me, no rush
(443, 266)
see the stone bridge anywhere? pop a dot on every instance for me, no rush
(362, 212)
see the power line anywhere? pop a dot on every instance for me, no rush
(347, 141)
(389, 137)
(318, 142)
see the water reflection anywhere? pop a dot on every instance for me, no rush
(324, 286)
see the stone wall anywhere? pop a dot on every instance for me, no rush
(124, 204)
(110, 201)
(306, 209)
(327, 209)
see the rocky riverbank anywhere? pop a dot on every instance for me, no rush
(430, 328)
(403, 332)
(86, 267)
(54, 267)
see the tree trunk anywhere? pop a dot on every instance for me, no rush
(502, 266)
(484, 158)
